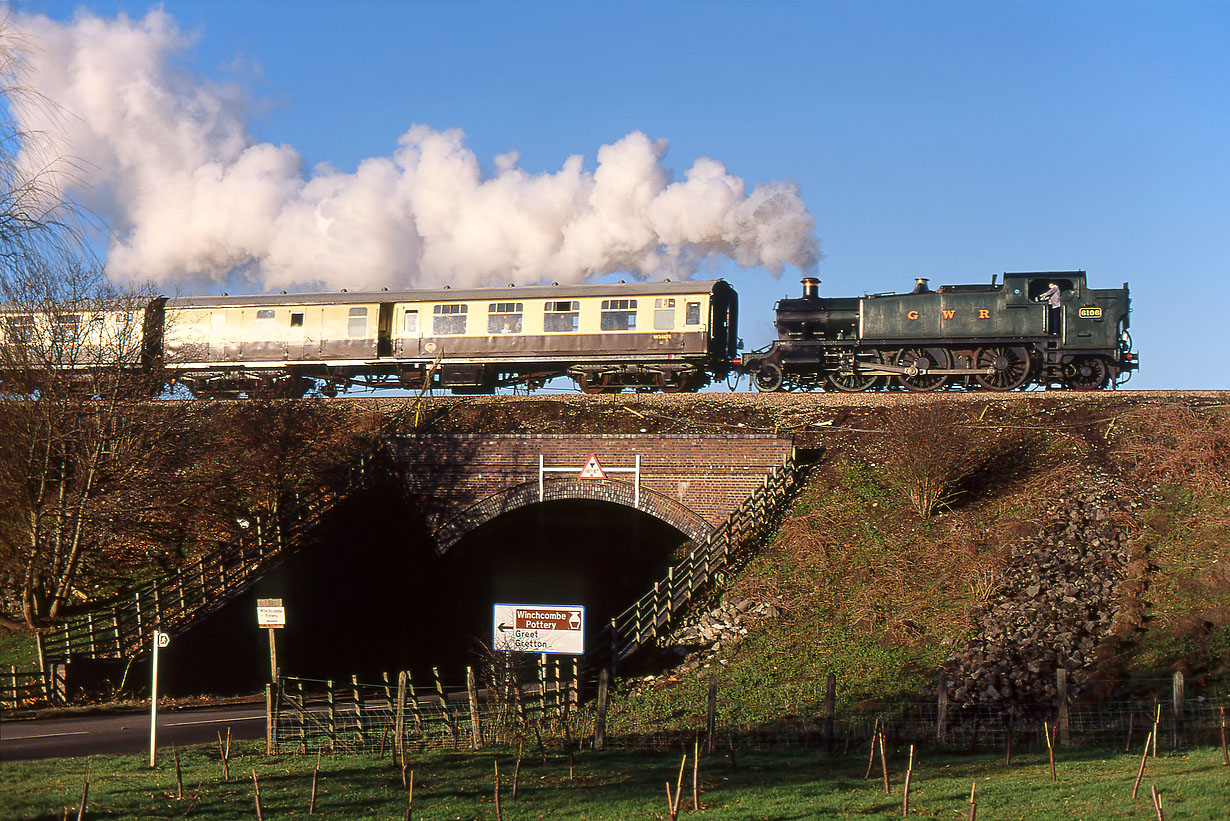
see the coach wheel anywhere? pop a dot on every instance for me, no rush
(1002, 367)
(589, 383)
(1088, 374)
(769, 378)
(917, 361)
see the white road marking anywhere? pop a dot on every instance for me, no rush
(211, 721)
(44, 735)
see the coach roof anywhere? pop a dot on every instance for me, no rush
(508, 293)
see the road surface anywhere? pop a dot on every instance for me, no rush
(127, 732)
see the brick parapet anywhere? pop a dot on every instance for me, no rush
(478, 474)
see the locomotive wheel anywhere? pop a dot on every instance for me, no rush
(1010, 367)
(1088, 374)
(922, 359)
(769, 378)
(850, 381)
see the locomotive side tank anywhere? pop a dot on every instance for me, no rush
(1037, 328)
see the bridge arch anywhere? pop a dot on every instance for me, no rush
(650, 502)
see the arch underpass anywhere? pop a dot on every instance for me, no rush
(402, 571)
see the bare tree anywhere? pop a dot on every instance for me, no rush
(90, 472)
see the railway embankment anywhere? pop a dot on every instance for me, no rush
(1083, 536)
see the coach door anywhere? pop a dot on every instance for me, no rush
(303, 334)
(407, 333)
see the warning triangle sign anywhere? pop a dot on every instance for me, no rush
(592, 469)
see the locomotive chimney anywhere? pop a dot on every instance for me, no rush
(920, 286)
(811, 288)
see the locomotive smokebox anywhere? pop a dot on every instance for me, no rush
(811, 288)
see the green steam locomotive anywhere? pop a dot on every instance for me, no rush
(1045, 329)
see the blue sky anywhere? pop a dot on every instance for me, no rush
(951, 140)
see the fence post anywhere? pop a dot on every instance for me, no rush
(270, 725)
(1061, 695)
(604, 681)
(448, 714)
(1177, 696)
(332, 715)
(711, 715)
(941, 712)
(399, 720)
(42, 664)
(830, 708)
(361, 737)
(89, 625)
(476, 729)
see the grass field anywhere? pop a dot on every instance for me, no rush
(776, 784)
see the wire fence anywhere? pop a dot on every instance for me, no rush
(560, 712)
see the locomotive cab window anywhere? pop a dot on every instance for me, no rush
(618, 315)
(449, 320)
(357, 326)
(692, 314)
(1038, 287)
(296, 319)
(561, 317)
(504, 317)
(410, 325)
(664, 314)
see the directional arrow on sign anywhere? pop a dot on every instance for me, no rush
(504, 628)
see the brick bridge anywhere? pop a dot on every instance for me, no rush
(691, 482)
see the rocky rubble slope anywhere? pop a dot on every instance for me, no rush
(1057, 601)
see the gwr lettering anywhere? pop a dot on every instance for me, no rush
(948, 313)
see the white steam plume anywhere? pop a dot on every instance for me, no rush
(188, 193)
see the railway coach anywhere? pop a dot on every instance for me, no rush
(667, 336)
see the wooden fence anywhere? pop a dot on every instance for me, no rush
(306, 715)
(178, 600)
(731, 542)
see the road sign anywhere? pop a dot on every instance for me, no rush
(592, 469)
(161, 639)
(270, 613)
(539, 628)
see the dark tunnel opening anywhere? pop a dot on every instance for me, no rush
(371, 595)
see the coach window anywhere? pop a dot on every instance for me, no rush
(562, 317)
(619, 314)
(692, 314)
(19, 328)
(410, 326)
(296, 319)
(449, 319)
(357, 328)
(64, 328)
(504, 317)
(664, 314)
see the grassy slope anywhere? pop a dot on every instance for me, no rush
(877, 595)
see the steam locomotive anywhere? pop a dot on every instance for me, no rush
(1041, 328)
(665, 336)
